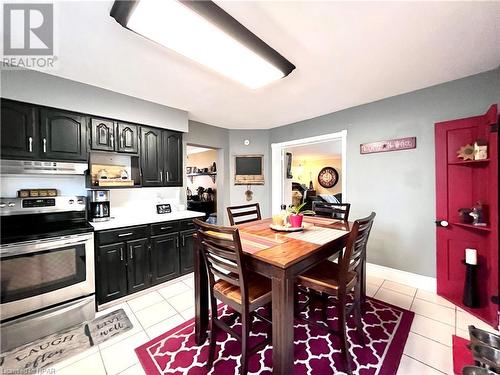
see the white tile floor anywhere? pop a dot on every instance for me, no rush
(427, 351)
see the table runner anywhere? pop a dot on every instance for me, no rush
(317, 235)
(320, 220)
(250, 243)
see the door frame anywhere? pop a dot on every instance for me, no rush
(278, 164)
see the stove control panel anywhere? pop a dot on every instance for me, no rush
(39, 202)
(23, 206)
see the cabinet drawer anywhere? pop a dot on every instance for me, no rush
(164, 228)
(187, 224)
(122, 234)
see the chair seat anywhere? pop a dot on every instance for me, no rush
(324, 277)
(258, 287)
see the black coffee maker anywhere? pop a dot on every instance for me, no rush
(98, 201)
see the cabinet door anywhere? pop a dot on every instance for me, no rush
(111, 272)
(151, 157)
(138, 274)
(187, 251)
(103, 134)
(127, 138)
(164, 257)
(19, 130)
(172, 155)
(64, 135)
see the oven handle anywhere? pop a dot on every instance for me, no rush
(41, 245)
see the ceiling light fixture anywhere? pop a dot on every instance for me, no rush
(203, 32)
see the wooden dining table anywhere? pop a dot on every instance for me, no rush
(280, 256)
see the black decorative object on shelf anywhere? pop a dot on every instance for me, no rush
(471, 296)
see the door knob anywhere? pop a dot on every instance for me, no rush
(442, 223)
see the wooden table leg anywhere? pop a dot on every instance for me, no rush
(200, 296)
(283, 308)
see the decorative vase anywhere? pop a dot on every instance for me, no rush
(296, 220)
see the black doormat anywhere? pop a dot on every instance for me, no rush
(45, 352)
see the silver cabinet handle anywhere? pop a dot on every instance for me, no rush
(30, 144)
(163, 228)
(45, 145)
(168, 176)
(177, 241)
(121, 140)
(121, 253)
(183, 241)
(131, 248)
(161, 176)
(111, 140)
(125, 234)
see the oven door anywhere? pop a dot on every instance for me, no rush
(39, 274)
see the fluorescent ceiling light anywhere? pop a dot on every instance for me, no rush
(203, 32)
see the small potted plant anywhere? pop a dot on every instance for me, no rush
(296, 214)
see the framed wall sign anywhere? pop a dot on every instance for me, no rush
(388, 145)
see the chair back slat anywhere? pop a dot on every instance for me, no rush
(355, 251)
(244, 214)
(222, 253)
(334, 210)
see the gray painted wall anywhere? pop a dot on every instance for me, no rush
(259, 144)
(399, 186)
(45, 89)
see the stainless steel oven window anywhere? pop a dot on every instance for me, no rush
(27, 275)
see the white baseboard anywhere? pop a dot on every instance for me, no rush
(412, 279)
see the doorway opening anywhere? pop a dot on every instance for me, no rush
(309, 169)
(202, 182)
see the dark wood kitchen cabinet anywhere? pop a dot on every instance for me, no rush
(19, 130)
(127, 138)
(63, 135)
(151, 157)
(172, 158)
(102, 134)
(186, 251)
(164, 258)
(138, 275)
(111, 272)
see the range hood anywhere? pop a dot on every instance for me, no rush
(42, 167)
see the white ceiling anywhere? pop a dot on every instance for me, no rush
(317, 151)
(346, 53)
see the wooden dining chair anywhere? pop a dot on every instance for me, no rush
(333, 210)
(244, 214)
(231, 283)
(339, 279)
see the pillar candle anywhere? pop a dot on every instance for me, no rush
(471, 256)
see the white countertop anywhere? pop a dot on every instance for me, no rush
(126, 219)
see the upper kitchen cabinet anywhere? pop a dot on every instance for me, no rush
(102, 134)
(127, 138)
(63, 135)
(19, 131)
(172, 155)
(151, 157)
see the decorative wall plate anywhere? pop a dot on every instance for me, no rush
(328, 177)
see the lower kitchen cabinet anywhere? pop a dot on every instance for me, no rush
(186, 251)
(138, 275)
(111, 272)
(151, 255)
(164, 258)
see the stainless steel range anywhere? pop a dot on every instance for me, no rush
(46, 267)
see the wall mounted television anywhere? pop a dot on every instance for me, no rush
(249, 169)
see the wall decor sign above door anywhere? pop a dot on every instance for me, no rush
(388, 145)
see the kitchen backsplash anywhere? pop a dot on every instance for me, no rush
(139, 200)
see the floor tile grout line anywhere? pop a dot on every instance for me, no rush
(426, 364)
(122, 371)
(429, 338)
(428, 317)
(102, 360)
(414, 296)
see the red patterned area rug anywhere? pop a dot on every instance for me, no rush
(316, 352)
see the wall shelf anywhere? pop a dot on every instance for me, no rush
(482, 162)
(472, 226)
(212, 175)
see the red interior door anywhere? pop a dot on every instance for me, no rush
(460, 184)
